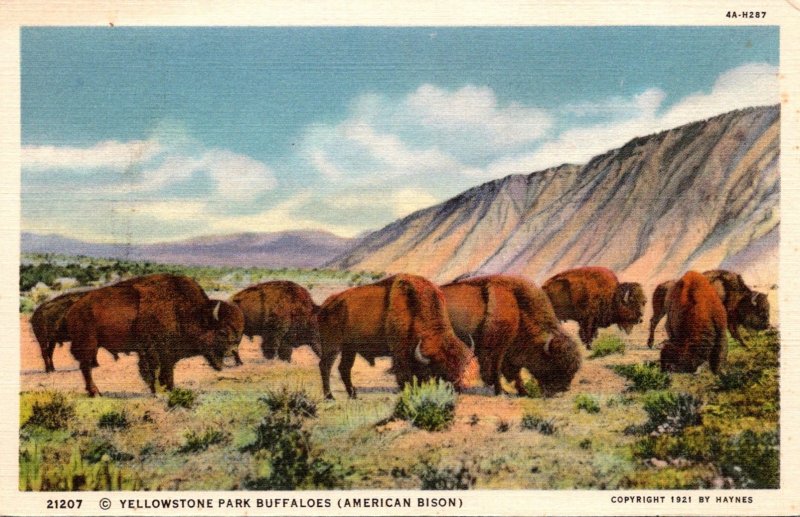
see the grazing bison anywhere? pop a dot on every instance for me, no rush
(50, 326)
(696, 324)
(404, 317)
(743, 306)
(283, 314)
(513, 326)
(594, 298)
(164, 318)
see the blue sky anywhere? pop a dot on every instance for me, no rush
(150, 134)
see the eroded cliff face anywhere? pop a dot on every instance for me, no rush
(699, 196)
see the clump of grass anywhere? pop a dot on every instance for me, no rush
(643, 377)
(430, 405)
(113, 420)
(619, 400)
(447, 478)
(53, 414)
(296, 402)
(587, 403)
(181, 397)
(503, 426)
(474, 419)
(669, 413)
(199, 442)
(533, 422)
(99, 449)
(585, 444)
(290, 461)
(39, 475)
(607, 345)
(532, 389)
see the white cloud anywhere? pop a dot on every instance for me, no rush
(476, 109)
(409, 200)
(109, 154)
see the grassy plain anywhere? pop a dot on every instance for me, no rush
(128, 439)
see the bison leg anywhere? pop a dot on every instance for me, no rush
(86, 370)
(147, 369)
(285, 352)
(345, 366)
(47, 356)
(235, 354)
(719, 353)
(585, 332)
(325, 365)
(653, 322)
(166, 375)
(733, 328)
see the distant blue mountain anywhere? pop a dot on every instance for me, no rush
(303, 249)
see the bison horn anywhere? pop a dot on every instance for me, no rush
(215, 312)
(626, 296)
(547, 344)
(753, 298)
(471, 343)
(418, 354)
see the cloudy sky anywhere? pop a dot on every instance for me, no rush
(143, 135)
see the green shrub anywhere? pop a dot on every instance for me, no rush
(532, 389)
(291, 463)
(503, 426)
(446, 478)
(180, 397)
(588, 403)
(295, 402)
(753, 459)
(53, 414)
(536, 423)
(200, 442)
(113, 420)
(607, 345)
(643, 377)
(39, 475)
(430, 405)
(669, 413)
(99, 449)
(585, 444)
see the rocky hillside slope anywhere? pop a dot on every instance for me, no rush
(698, 196)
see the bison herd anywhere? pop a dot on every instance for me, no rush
(479, 328)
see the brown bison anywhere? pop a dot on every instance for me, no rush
(594, 298)
(404, 317)
(513, 326)
(743, 306)
(696, 324)
(283, 314)
(50, 326)
(164, 318)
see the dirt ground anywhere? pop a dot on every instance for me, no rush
(121, 377)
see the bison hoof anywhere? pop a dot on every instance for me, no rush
(329, 397)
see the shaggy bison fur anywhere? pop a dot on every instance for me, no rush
(594, 298)
(404, 317)
(164, 318)
(696, 324)
(50, 327)
(513, 326)
(743, 306)
(283, 314)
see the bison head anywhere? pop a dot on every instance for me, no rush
(556, 361)
(753, 311)
(448, 357)
(629, 301)
(226, 325)
(675, 358)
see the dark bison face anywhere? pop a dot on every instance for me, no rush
(557, 364)
(753, 311)
(629, 302)
(675, 359)
(227, 326)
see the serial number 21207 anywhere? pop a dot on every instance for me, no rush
(63, 504)
(746, 14)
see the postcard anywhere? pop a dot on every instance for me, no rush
(400, 259)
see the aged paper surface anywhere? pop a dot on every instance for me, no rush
(335, 145)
